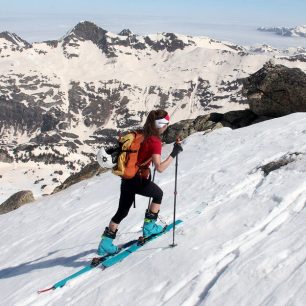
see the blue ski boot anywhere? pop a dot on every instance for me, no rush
(106, 246)
(149, 226)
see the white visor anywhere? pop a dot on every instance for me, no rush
(159, 123)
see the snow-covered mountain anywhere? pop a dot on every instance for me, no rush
(60, 100)
(298, 31)
(242, 197)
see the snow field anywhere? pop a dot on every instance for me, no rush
(242, 241)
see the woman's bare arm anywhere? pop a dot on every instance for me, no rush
(160, 166)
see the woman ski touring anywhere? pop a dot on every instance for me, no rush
(150, 150)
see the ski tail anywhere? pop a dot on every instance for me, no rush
(63, 282)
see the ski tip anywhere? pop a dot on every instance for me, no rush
(45, 290)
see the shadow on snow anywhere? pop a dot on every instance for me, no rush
(24, 268)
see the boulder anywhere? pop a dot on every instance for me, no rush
(238, 119)
(87, 172)
(210, 122)
(276, 90)
(184, 128)
(279, 163)
(16, 200)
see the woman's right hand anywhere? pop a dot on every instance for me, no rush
(177, 148)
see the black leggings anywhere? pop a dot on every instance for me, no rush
(131, 187)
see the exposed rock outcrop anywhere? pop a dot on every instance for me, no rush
(125, 32)
(279, 163)
(87, 172)
(15, 40)
(276, 90)
(233, 119)
(5, 157)
(88, 31)
(16, 200)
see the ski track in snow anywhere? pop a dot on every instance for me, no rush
(242, 241)
(220, 262)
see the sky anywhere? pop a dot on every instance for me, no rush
(234, 20)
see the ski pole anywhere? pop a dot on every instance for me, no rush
(174, 209)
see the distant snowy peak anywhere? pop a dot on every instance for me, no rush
(283, 31)
(7, 38)
(86, 30)
(125, 32)
(263, 49)
(111, 44)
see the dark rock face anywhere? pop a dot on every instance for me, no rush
(90, 31)
(5, 157)
(187, 127)
(279, 163)
(44, 138)
(276, 90)
(17, 115)
(125, 32)
(98, 111)
(238, 119)
(206, 123)
(106, 136)
(49, 123)
(87, 172)
(296, 58)
(15, 39)
(52, 43)
(171, 43)
(16, 200)
(27, 113)
(87, 31)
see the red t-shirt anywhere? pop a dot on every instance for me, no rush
(151, 145)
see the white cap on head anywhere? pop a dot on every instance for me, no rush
(159, 123)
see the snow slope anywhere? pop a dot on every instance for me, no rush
(242, 241)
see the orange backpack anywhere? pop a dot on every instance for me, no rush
(127, 166)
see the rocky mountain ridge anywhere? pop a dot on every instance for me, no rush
(60, 100)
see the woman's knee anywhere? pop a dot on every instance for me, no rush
(158, 196)
(120, 215)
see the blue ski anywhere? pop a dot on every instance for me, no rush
(87, 268)
(111, 260)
